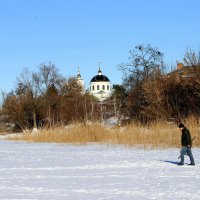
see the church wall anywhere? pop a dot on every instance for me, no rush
(101, 90)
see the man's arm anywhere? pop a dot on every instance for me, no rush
(188, 138)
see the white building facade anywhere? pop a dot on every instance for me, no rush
(100, 86)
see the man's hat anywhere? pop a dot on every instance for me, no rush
(181, 125)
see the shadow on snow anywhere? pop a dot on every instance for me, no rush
(171, 162)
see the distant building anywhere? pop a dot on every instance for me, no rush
(183, 72)
(80, 80)
(100, 86)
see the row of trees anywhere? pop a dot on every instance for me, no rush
(46, 98)
(148, 93)
(154, 94)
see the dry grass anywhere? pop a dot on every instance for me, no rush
(156, 135)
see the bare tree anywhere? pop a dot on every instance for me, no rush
(73, 101)
(21, 106)
(145, 64)
(144, 61)
(27, 87)
(48, 82)
(47, 76)
(192, 58)
(192, 62)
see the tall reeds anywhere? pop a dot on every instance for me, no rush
(155, 135)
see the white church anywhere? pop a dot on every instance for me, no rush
(100, 85)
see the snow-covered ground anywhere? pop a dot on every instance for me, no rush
(94, 172)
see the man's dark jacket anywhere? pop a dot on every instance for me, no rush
(186, 137)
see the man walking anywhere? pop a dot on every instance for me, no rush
(186, 143)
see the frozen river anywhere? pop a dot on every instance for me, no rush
(94, 172)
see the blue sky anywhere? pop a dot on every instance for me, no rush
(72, 33)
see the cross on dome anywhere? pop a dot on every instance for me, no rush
(99, 72)
(78, 75)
